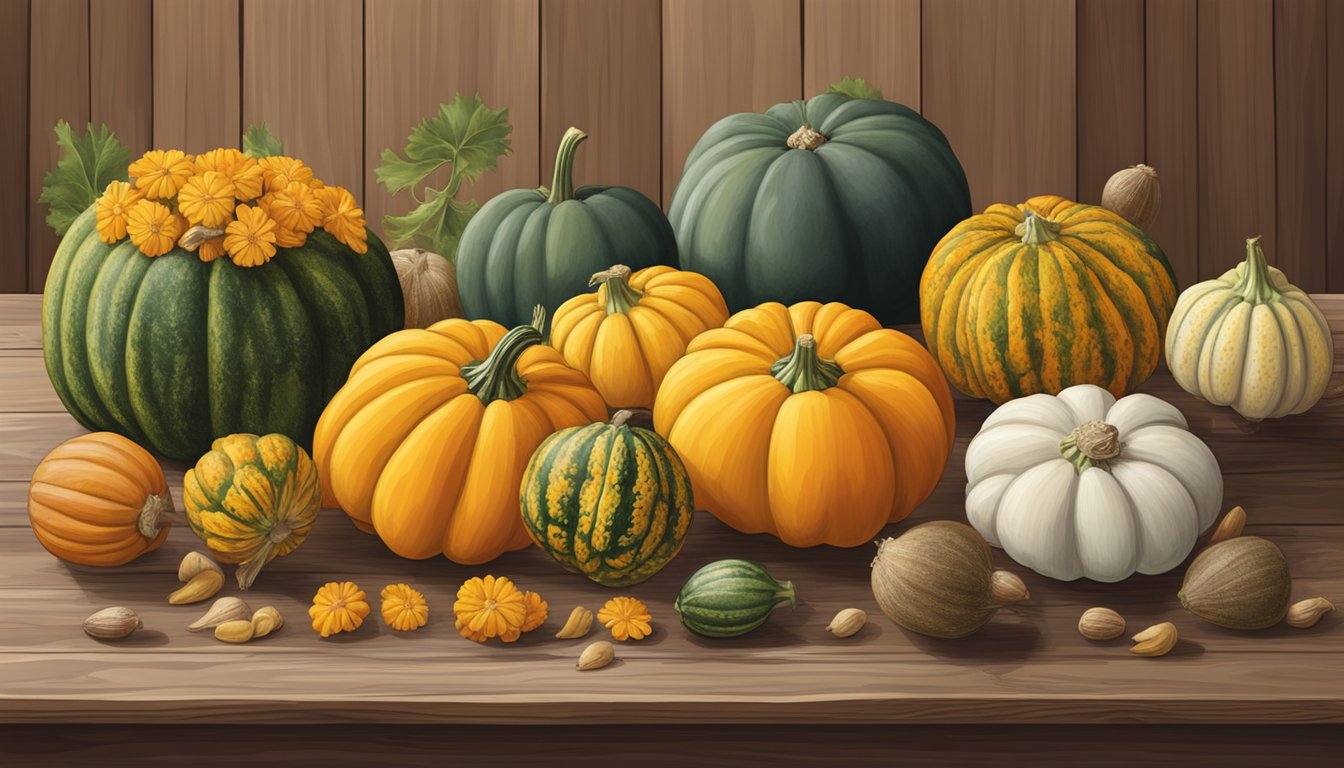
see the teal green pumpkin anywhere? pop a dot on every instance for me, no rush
(728, 598)
(608, 500)
(533, 246)
(173, 352)
(835, 199)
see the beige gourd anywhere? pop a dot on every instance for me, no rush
(1251, 340)
(429, 286)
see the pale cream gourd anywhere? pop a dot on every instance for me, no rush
(1251, 340)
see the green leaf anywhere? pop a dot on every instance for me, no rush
(855, 88)
(258, 141)
(87, 165)
(436, 225)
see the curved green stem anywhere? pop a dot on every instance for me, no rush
(804, 370)
(1091, 444)
(1035, 230)
(620, 296)
(562, 182)
(1255, 284)
(496, 377)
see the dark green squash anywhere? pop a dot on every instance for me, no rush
(536, 246)
(835, 199)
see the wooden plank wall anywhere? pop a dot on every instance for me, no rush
(1238, 103)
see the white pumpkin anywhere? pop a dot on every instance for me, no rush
(1251, 340)
(1084, 485)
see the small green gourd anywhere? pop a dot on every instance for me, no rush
(728, 598)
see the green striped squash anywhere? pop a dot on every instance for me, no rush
(608, 500)
(728, 598)
(173, 352)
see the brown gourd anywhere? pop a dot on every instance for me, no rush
(428, 285)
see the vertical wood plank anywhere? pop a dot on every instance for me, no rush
(121, 78)
(14, 193)
(1000, 81)
(410, 71)
(1172, 79)
(1300, 126)
(1111, 119)
(878, 40)
(601, 72)
(303, 75)
(58, 81)
(196, 74)
(1236, 131)
(1334, 153)
(720, 58)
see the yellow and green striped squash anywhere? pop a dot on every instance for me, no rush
(252, 499)
(1041, 296)
(610, 501)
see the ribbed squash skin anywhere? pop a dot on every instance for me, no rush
(611, 502)
(852, 220)
(1005, 318)
(173, 352)
(728, 598)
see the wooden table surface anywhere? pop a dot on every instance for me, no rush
(1028, 666)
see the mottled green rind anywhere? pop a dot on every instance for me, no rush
(728, 598)
(173, 352)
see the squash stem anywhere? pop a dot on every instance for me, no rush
(496, 377)
(1091, 444)
(1036, 230)
(562, 183)
(804, 370)
(157, 513)
(787, 592)
(1255, 285)
(620, 296)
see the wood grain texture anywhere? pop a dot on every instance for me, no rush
(877, 40)
(1000, 80)
(308, 87)
(1111, 92)
(58, 80)
(719, 59)
(1236, 132)
(121, 77)
(601, 71)
(409, 71)
(196, 74)
(1300, 72)
(1172, 115)
(14, 197)
(1334, 153)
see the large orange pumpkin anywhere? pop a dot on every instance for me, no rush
(426, 443)
(99, 499)
(811, 422)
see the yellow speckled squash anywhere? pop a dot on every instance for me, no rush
(1251, 340)
(252, 499)
(627, 334)
(1045, 295)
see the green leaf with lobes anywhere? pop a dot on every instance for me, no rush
(436, 225)
(87, 165)
(258, 141)
(855, 88)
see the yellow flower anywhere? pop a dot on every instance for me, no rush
(338, 607)
(343, 218)
(211, 249)
(535, 611)
(296, 208)
(152, 227)
(159, 173)
(404, 609)
(242, 171)
(280, 171)
(489, 607)
(627, 618)
(250, 240)
(114, 207)
(207, 199)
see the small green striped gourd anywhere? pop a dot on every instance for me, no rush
(728, 598)
(608, 500)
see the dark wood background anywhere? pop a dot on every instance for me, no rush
(1238, 103)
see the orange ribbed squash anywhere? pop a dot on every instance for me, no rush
(426, 443)
(811, 422)
(99, 499)
(634, 327)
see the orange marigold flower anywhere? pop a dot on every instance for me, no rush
(211, 249)
(404, 609)
(489, 607)
(627, 618)
(342, 218)
(207, 199)
(250, 240)
(279, 171)
(338, 607)
(160, 173)
(113, 210)
(152, 227)
(535, 611)
(296, 208)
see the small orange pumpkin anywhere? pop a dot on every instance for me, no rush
(100, 499)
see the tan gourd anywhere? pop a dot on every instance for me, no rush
(428, 285)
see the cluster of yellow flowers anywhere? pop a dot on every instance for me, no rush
(224, 202)
(495, 607)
